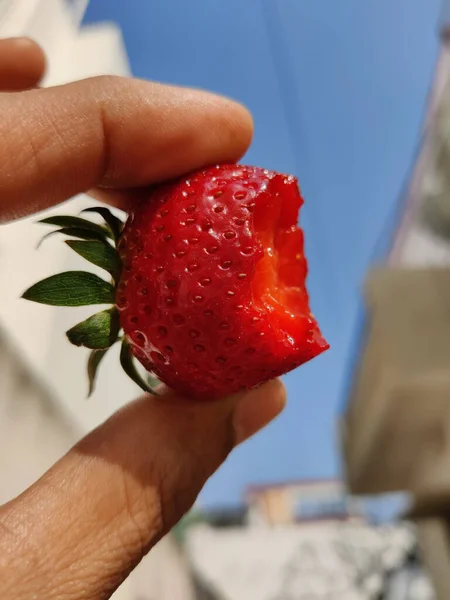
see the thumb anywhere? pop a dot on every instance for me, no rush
(88, 522)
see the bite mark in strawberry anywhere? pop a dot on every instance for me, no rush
(211, 295)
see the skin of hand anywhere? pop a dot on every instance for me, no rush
(81, 529)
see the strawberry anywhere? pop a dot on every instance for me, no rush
(208, 283)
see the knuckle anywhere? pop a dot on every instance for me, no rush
(20, 559)
(142, 518)
(107, 82)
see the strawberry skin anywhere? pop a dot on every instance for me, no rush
(212, 294)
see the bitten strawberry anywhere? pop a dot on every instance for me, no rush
(208, 284)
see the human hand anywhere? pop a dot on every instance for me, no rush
(80, 530)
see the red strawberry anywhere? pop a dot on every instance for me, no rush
(211, 295)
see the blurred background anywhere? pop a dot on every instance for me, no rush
(347, 495)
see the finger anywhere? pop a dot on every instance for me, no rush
(82, 528)
(22, 64)
(124, 199)
(111, 132)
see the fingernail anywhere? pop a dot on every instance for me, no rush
(258, 408)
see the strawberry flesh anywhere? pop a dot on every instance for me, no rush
(212, 296)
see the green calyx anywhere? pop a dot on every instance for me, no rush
(97, 243)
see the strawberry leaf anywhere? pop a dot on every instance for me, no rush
(127, 362)
(95, 358)
(153, 381)
(84, 234)
(97, 332)
(77, 223)
(114, 224)
(98, 253)
(72, 288)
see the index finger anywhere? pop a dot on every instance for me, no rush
(109, 131)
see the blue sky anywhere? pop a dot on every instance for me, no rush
(337, 90)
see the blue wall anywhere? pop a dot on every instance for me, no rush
(337, 90)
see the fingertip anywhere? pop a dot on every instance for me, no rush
(26, 44)
(258, 408)
(22, 64)
(34, 56)
(175, 130)
(234, 124)
(240, 127)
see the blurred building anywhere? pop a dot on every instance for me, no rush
(305, 540)
(42, 379)
(396, 430)
(34, 430)
(301, 501)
